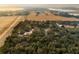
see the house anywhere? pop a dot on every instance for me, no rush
(28, 33)
(59, 25)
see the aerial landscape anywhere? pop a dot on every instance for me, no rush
(39, 29)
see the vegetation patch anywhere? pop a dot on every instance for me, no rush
(41, 37)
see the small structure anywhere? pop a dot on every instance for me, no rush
(28, 33)
(59, 25)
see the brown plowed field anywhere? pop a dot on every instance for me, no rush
(48, 16)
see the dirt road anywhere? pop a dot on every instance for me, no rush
(7, 32)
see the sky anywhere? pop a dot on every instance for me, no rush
(4, 7)
(40, 5)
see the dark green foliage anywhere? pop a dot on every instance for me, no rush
(58, 40)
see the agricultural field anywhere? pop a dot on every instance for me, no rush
(6, 25)
(35, 16)
(5, 22)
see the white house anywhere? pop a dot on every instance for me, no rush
(29, 33)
